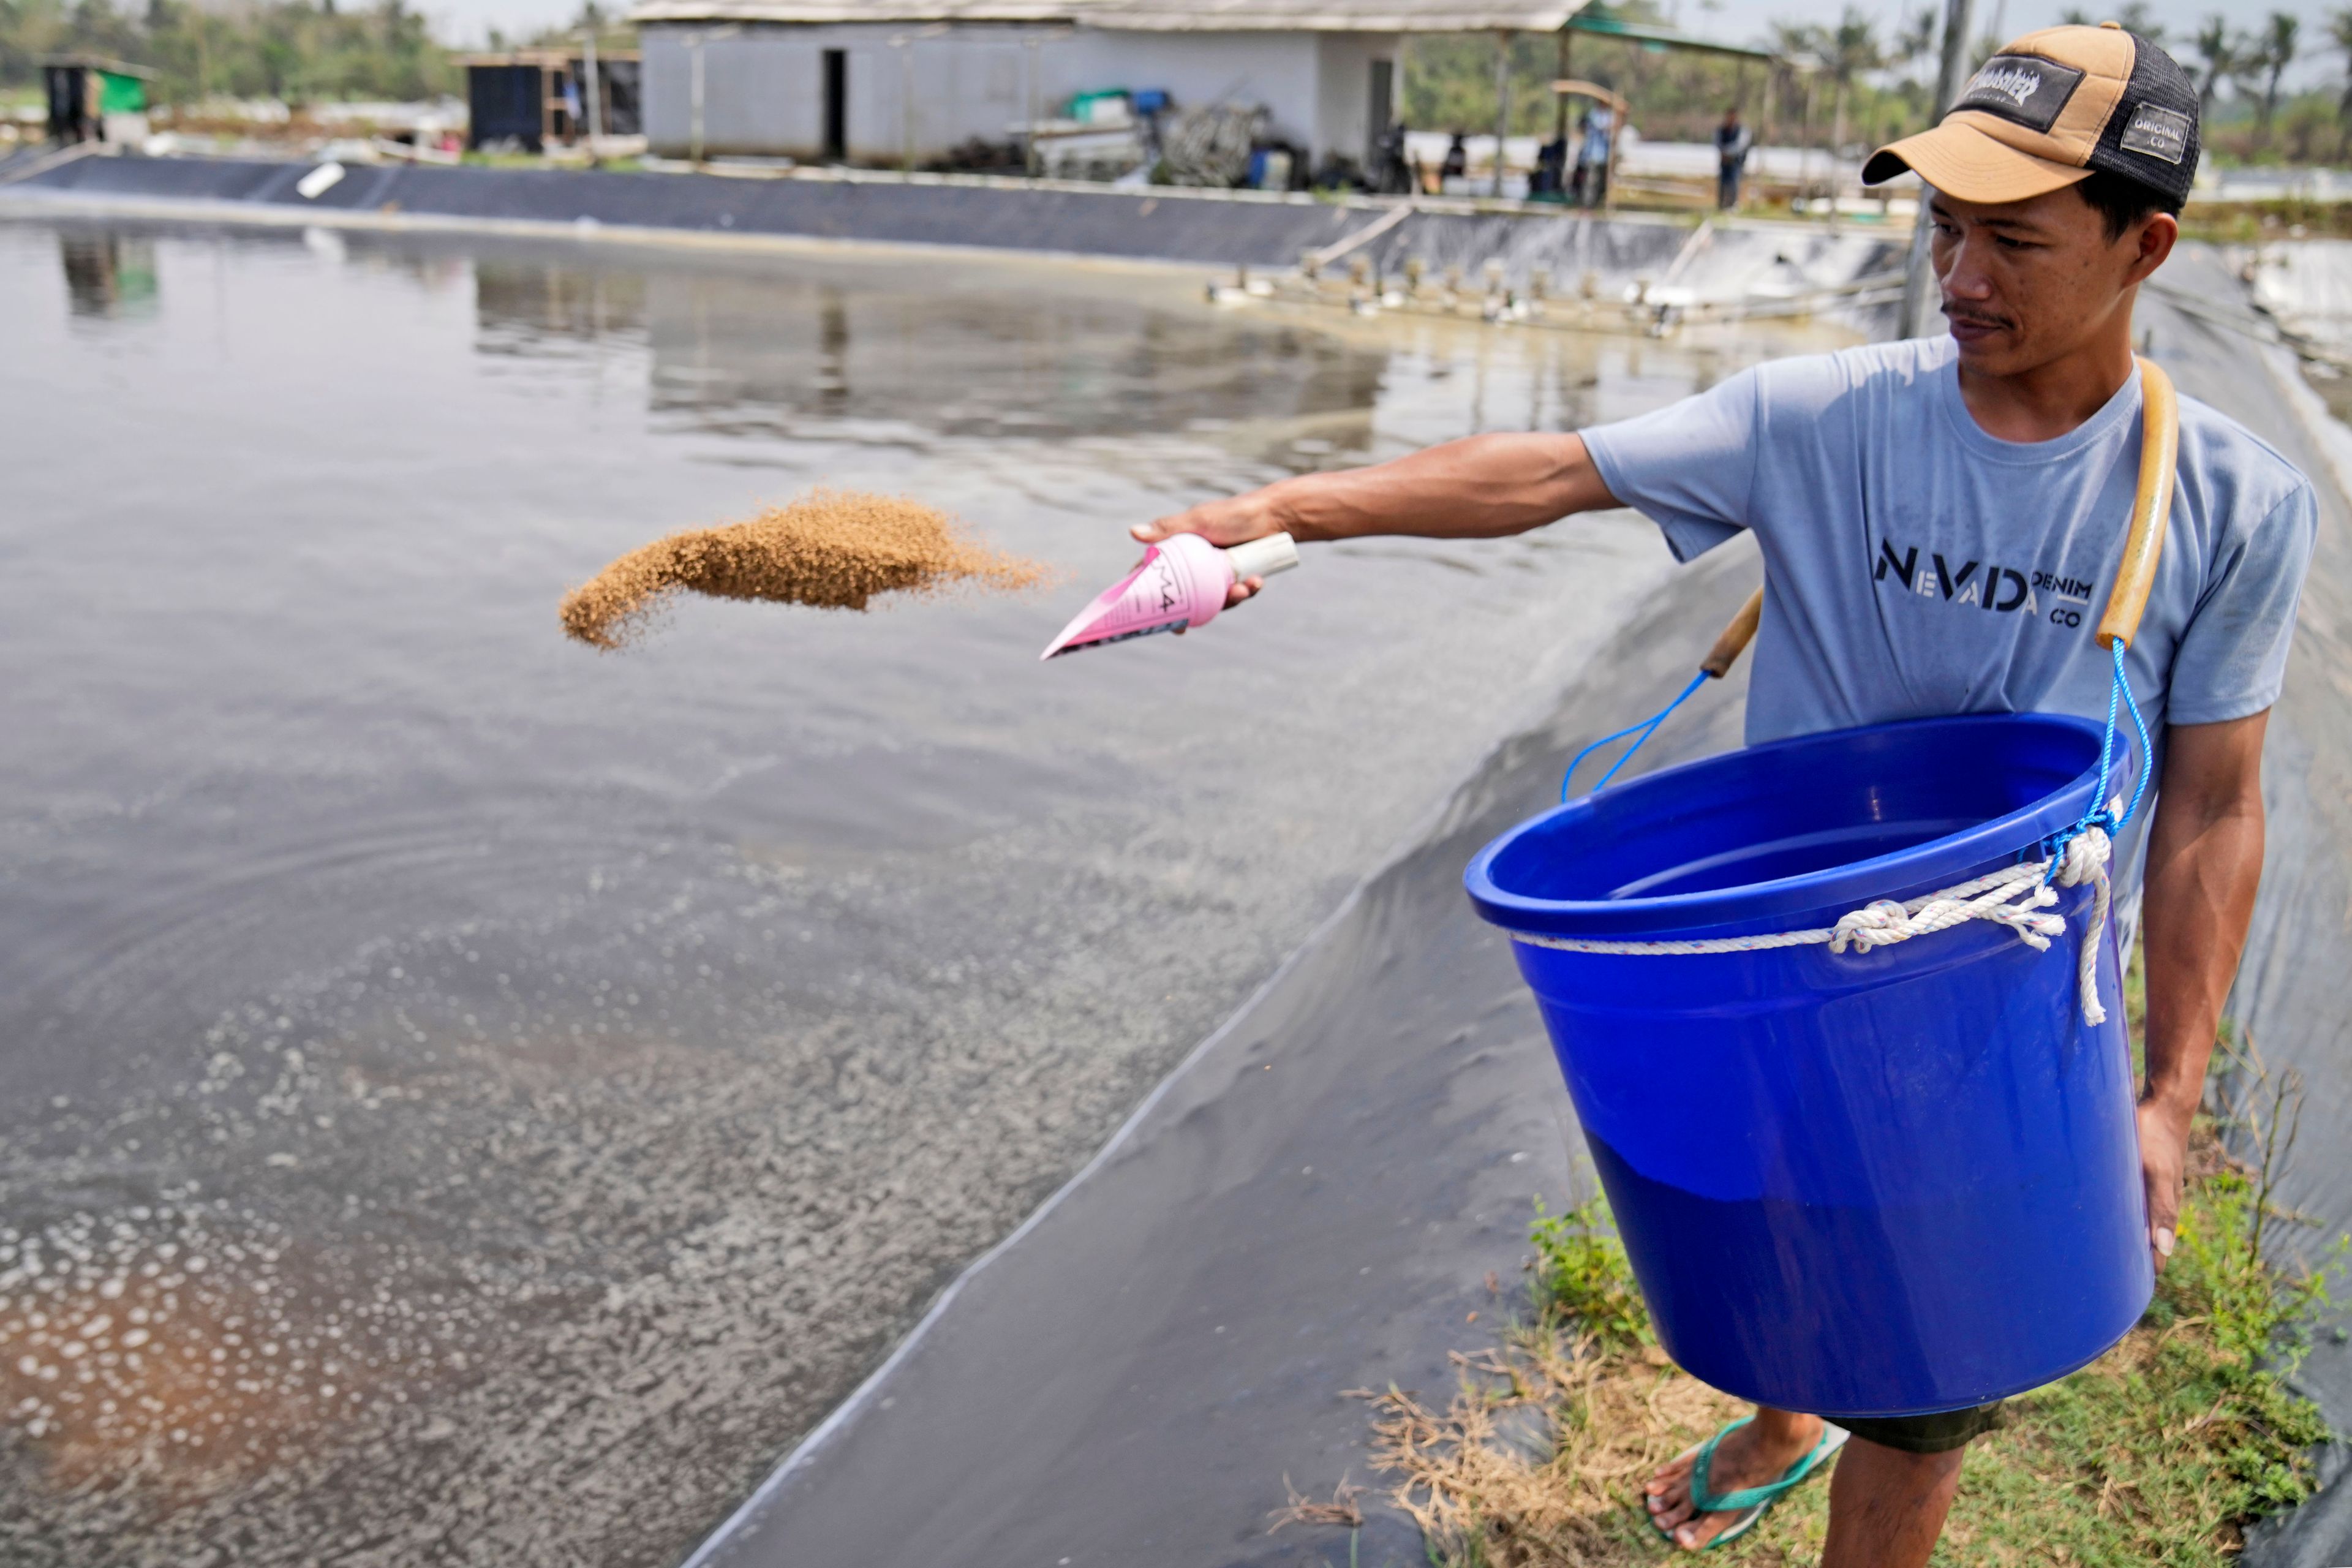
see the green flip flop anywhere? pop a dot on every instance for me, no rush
(1750, 1503)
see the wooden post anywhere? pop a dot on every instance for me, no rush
(1920, 293)
(1559, 100)
(1502, 101)
(1620, 112)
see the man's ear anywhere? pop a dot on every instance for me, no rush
(2159, 233)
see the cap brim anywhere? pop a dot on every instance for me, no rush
(1963, 162)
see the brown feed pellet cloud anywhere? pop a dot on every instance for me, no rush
(830, 549)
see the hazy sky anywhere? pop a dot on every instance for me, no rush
(467, 21)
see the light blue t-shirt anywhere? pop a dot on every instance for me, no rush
(1915, 565)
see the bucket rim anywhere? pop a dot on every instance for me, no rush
(1748, 908)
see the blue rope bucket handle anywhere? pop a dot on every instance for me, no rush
(1713, 667)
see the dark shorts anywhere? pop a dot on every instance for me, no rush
(1937, 1434)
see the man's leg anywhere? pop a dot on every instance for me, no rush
(1887, 1507)
(1894, 1481)
(1758, 1452)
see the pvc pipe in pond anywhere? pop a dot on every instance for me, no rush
(1181, 583)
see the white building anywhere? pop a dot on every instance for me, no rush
(887, 81)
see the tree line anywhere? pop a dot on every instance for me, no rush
(1851, 82)
(1841, 84)
(295, 51)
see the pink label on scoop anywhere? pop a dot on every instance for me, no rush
(1157, 596)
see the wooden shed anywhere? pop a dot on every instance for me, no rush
(95, 100)
(538, 98)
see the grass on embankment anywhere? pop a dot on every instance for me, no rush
(2164, 1450)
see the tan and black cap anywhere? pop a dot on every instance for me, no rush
(2049, 110)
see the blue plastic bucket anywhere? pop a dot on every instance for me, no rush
(1868, 1183)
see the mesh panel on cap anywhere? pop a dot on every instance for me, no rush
(2156, 79)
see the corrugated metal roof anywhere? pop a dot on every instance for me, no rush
(1331, 15)
(820, 12)
(1141, 16)
(1665, 38)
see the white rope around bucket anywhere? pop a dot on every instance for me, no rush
(2018, 897)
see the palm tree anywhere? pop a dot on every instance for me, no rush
(1918, 41)
(2277, 53)
(1848, 51)
(2136, 17)
(2217, 49)
(2339, 35)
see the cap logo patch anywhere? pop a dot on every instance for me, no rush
(2158, 132)
(2023, 89)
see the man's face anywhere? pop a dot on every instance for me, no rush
(2025, 283)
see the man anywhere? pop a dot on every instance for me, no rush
(1592, 160)
(2012, 442)
(1549, 181)
(1583, 178)
(1731, 142)
(1457, 160)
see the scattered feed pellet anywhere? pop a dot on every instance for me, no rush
(830, 549)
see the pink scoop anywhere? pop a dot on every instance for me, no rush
(1181, 583)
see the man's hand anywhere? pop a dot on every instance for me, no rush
(1235, 520)
(2163, 1162)
(2204, 859)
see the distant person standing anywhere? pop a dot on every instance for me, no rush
(1550, 177)
(1583, 175)
(1457, 160)
(1593, 161)
(1731, 145)
(1394, 175)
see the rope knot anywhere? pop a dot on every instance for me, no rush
(2085, 855)
(1879, 924)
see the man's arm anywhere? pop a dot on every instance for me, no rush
(1482, 487)
(2204, 858)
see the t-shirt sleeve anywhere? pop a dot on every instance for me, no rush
(2233, 658)
(1688, 466)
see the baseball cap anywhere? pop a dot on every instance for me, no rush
(2049, 110)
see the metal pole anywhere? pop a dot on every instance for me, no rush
(592, 92)
(1559, 100)
(1805, 160)
(1029, 137)
(694, 153)
(1502, 103)
(1621, 110)
(905, 103)
(1922, 298)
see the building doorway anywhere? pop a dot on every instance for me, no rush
(1380, 112)
(836, 106)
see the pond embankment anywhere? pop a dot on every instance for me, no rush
(1769, 264)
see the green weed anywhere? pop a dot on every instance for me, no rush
(1584, 1277)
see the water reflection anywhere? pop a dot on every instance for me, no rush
(527, 307)
(755, 354)
(108, 275)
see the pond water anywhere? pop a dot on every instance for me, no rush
(472, 1098)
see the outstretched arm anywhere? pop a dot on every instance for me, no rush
(2204, 858)
(1482, 487)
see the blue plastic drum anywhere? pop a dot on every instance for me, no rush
(1869, 1184)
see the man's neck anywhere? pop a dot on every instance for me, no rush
(2049, 400)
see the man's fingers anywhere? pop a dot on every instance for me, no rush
(1242, 591)
(2161, 1236)
(1149, 532)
